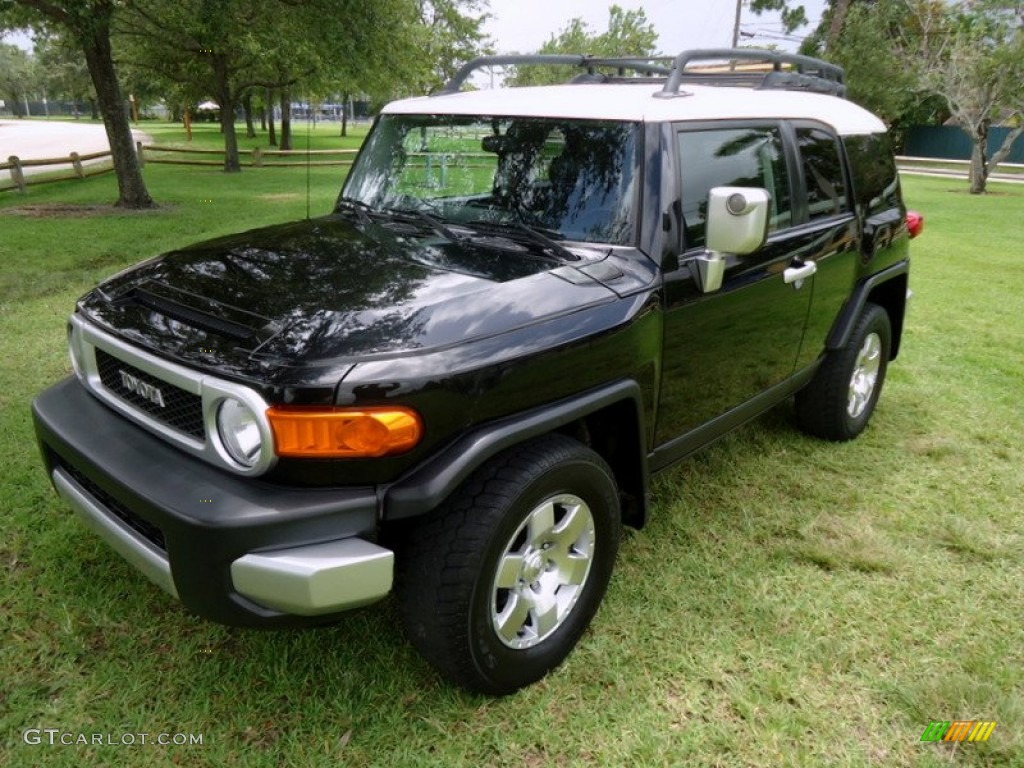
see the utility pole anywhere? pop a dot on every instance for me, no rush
(736, 25)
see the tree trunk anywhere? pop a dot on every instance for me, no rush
(344, 114)
(263, 119)
(132, 192)
(250, 128)
(94, 109)
(286, 118)
(226, 100)
(227, 127)
(270, 117)
(1004, 150)
(835, 27)
(15, 105)
(979, 167)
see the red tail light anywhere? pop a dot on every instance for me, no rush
(915, 223)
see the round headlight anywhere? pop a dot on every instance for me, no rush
(239, 431)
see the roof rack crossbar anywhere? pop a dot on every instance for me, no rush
(636, 64)
(811, 73)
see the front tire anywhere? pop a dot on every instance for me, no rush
(496, 587)
(838, 402)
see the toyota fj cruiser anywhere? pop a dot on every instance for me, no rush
(459, 381)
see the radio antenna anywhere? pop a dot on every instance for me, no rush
(309, 117)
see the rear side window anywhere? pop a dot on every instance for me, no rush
(823, 173)
(733, 157)
(876, 186)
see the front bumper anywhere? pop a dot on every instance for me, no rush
(236, 550)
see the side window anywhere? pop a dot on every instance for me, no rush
(876, 185)
(731, 157)
(823, 172)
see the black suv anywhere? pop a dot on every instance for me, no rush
(459, 381)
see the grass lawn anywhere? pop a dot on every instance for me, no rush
(323, 135)
(791, 602)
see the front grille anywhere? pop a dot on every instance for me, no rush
(181, 410)
(144, 528)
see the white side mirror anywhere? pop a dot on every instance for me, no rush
(737, 219)
(737, 223)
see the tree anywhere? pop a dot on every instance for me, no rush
(17, 77)
(628, 34)
(792, 18)
(829, 29)
(452, 34)
(230, 47)
(64, 71)
(971, 54)
(200, 47)
(870, 50)
(88, 23)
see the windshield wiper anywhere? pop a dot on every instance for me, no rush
(553, 247)
(435, 223)
(358, 207)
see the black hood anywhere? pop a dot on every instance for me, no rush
(329, 290)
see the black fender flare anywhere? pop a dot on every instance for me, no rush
(840, 333)
(427, 485)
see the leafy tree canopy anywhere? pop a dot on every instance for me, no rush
(628, 34)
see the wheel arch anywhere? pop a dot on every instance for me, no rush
(615, 433)
(888, 289)
(608, 420)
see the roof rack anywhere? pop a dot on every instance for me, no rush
(802, 73)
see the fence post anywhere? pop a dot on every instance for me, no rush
(77, 163)
(17, 174)
(257, 157)
(139, 152)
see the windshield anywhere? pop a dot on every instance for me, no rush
(571, 179)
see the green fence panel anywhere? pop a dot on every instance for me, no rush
(951, 143)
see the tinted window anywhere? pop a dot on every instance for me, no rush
(823, 172)
(734, 157)
(876, 186)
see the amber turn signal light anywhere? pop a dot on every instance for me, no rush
(343, 433)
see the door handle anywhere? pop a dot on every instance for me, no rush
(798, 274)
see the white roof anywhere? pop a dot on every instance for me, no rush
(636, 102)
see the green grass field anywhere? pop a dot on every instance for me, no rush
(791, 603)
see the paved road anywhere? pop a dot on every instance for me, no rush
(31, 139)
(949, 173)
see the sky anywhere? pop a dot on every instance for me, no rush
(524, 25)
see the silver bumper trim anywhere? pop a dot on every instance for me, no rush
(136, 550)
(317, 578)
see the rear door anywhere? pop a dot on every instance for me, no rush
(825, 214)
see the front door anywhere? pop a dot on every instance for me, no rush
(724, 348)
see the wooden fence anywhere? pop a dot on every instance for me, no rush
(151, 153)
(258, 158)
(20, 181)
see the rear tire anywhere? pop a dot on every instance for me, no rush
(839, 401)
(497, 585)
